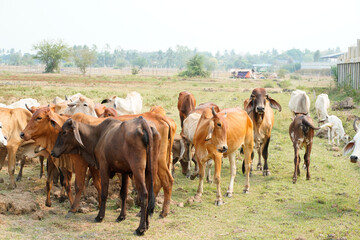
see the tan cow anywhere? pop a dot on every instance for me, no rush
(220, 135)
(258, 106)
(14, 121)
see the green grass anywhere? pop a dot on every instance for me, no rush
(275, 208)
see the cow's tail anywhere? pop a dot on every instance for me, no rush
(307, 123)
(149, 143)
(326, 125)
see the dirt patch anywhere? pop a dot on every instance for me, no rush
(18, 203)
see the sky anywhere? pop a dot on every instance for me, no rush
(150, 25)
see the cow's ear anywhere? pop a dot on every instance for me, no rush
(75, 127)
(273, 104)
(250, 106)
(210, 131)
(55, 124)
(349, 147)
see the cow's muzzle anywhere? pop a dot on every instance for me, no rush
(260, 110)
(353, 159)
(54, 155)
(22, 135)
(223, 149)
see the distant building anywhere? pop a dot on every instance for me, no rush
(317, 65)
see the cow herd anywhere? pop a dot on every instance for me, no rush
(76, 136)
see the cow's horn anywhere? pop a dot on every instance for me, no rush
(354, 124)
(28, 107)
(213, 111)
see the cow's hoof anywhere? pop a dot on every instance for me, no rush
(228, 194)
(266, 173)
(294, 181)
(62, 199)
(246, 191)
(307, 178)
(48, 204)
(69, 215)
(139, 232)
(192, 177)
(18, 178)
(12, 186)
(98, 219)
(120, 218)
(209, 181)
(259, 167)
(219, 202)
(163, 215)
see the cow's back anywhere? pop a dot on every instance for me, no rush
(14, 121)
(299, 102)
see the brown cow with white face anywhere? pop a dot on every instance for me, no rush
(259, 107)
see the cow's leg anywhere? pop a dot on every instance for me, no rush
(49, 181)
(96, 181)
(67, 183)
(200, 189)
(329, 136)
(3, 153)
(139, 177)
(296, 162)
(265, 154)
(167, 183)
(233, 174)
(80, 173)
(259, 165)
(41, 159)
(248, 156)
(22, 164)
(105, 175)
(208, 171)
(307, 160)
(11, 164)
(188, 171)
(217, 179)
(123, 196)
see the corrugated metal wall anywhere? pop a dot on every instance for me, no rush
(349, 74)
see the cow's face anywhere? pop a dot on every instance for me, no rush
(354, 147)
(38, 124)
(3, 139)
(83, 105)
(217, 132)
(257, 102)
(109, 112)
(110, 102)
(68, 139)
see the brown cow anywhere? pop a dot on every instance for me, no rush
(258, 106)
(129, 147)
(40, 129)
(221, 134)
(186, 104)
(13, 121)
(108, 112)
(301, 133)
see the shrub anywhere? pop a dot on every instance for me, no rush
(285, 84)
(282, 72)
(135, 70)
(195, 68)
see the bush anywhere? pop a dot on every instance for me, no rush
(295, 77)
(281, 73)
(269, 84)
(195, 68)
(135, 70)
(285, 84)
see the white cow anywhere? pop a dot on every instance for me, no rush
(335, 130)
(299, 102)
(22, 103)
(132, 104)
(83, 104)
(3, 139)
(354, 144)
(321, 105)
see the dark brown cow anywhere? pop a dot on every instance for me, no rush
(301, 132)
(186, 104)
(258, 106)
(129, 147)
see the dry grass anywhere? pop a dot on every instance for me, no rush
(274, 209)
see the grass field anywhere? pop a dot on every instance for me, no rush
(325, 207)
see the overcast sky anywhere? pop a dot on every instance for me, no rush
(149, 25)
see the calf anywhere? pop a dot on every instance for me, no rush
(129, 147)
(221, 134)
(186, 104)
(321, 105)
(259, 107)
(335, 130)
(301, 132)
(354, 144)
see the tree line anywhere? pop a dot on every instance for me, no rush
(54, 54)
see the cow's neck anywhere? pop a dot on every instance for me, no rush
(259, 118)
(89, 136)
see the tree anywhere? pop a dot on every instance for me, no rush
(139, 62)
(316, 56)
(84, 58)
(195, 68)
(51, 52)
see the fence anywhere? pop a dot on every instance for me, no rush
(161, 72)
(348, 67)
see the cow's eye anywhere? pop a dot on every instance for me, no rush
(85, 105)
(39, 118)
(219, 124)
